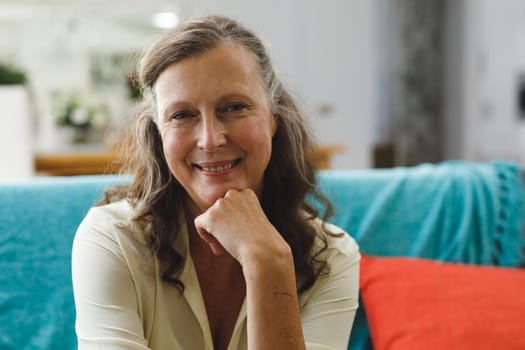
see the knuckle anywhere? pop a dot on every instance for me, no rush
(230, 193)
(214, 211)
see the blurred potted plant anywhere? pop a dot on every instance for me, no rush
(10, 75)
(83, 114)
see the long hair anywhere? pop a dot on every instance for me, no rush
(288, 179)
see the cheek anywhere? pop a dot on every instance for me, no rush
(174, 146)
(264, 133)
(259, 130)
(259, 139)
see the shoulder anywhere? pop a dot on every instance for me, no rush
(111, 226)
(108, 217)
(340, 280)
(339, 244)
(116, 212)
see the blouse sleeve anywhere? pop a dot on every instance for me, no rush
(105, 296)
(329, 310)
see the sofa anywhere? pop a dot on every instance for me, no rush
(442, 254)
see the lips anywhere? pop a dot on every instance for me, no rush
(217, 166)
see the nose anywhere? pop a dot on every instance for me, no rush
(212, 133)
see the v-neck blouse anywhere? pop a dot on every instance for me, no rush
(123, 303)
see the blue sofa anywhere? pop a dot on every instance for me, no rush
(452, 211)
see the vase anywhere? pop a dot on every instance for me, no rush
(16, 133)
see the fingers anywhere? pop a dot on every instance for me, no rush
(232, 193)
(203, 224)
(215, 246)
(223, 226)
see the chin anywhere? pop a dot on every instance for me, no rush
(209, 199)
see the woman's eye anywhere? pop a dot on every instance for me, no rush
(180, 115)
(235, 107)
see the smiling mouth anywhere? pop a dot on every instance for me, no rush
(215, 169)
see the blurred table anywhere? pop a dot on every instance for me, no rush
(101, 161)
(61, 164)
(323, 155)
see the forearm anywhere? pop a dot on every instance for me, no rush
(237, 224)
(274, 320)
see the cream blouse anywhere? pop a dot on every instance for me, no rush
(123, 303)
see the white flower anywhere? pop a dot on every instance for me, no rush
(80, 116)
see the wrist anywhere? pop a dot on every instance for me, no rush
(263, 261)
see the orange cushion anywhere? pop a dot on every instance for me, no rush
(425, 304)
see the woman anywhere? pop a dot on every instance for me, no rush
(212, 246)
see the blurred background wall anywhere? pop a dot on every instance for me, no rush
(387, 82)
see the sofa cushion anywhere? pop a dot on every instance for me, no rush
(38, 219)
(415, 303)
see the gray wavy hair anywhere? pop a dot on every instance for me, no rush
(289, 176)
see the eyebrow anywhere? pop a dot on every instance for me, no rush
(175, 104)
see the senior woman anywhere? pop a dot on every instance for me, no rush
(213, 245)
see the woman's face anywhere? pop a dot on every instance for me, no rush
(216, 123)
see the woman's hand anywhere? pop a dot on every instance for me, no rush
(237, 224)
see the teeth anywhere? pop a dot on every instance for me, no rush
(218, 168)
